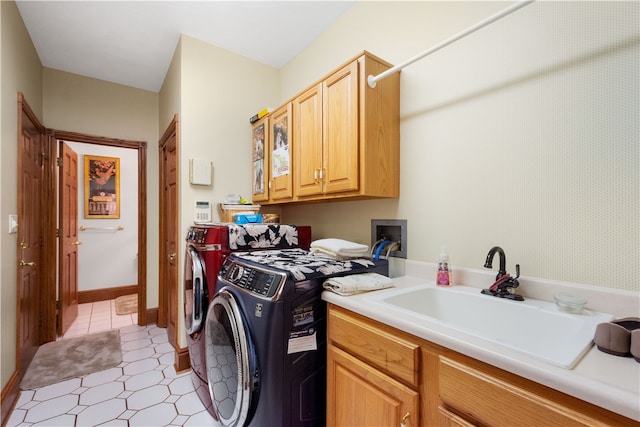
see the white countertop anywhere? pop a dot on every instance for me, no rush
(602, 379)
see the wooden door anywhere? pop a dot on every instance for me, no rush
(340, 130)
(359, 395)
(30, 233)
(168, 312)
(280, 154)
(307, 119)
(68, 241)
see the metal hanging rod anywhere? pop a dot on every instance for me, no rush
(372, 80)
(118, 228)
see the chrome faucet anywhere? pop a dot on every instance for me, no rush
(504, 285)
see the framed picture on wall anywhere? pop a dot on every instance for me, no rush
(101, 187)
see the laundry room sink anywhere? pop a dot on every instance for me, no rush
(537, 328)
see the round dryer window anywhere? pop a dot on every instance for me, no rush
(231, 361)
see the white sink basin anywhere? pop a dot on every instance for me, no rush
(537, 328)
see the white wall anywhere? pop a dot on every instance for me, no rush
(523, 135)
(108, 258)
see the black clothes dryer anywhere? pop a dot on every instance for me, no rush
(266, 337)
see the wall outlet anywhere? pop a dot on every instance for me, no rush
(394, 230)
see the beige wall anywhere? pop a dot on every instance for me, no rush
(21, 71)
(169, 96)
(95, 107)
(219, 91)
(523, 135)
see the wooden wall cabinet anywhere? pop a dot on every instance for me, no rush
(307, 131)
(351, 134)
(261, 156)
(281, 146)
(345, 137)
(272, 166)
(372, 365)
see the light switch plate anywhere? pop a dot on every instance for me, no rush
(13, 224)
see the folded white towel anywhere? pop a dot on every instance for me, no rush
(356, 283)
(340, 247)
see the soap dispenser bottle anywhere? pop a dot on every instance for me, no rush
(443, 277)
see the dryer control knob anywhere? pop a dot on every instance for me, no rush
(236, 274)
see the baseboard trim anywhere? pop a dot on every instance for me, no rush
(152, 316)
(105, 294)
(183, 362)
(9, 396)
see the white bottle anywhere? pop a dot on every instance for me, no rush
(443, 277)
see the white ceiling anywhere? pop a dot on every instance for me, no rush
(132, 42)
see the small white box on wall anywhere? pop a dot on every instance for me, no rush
(200, 171)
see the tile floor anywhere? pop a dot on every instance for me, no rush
(144, 390)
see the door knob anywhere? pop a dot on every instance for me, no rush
(77, 243)
(23, 263)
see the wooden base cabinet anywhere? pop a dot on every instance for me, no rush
(378, 375)
(364, 396)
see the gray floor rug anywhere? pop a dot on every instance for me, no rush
(70, 358)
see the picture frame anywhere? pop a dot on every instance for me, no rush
(101, 187)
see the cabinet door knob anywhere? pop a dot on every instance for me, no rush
(77, 243)
(23, 263)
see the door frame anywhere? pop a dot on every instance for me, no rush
(141, 146)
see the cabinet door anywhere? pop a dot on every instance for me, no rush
(359, 395)
(260, 168)
(307, 113)
(280, 154)
(340, 130)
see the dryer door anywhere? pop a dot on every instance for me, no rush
(195, 292)
(232, 368)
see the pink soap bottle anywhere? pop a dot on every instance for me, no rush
(443, 277)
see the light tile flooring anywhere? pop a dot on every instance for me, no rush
(144, 390)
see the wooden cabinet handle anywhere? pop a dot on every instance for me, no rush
(403, 423)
